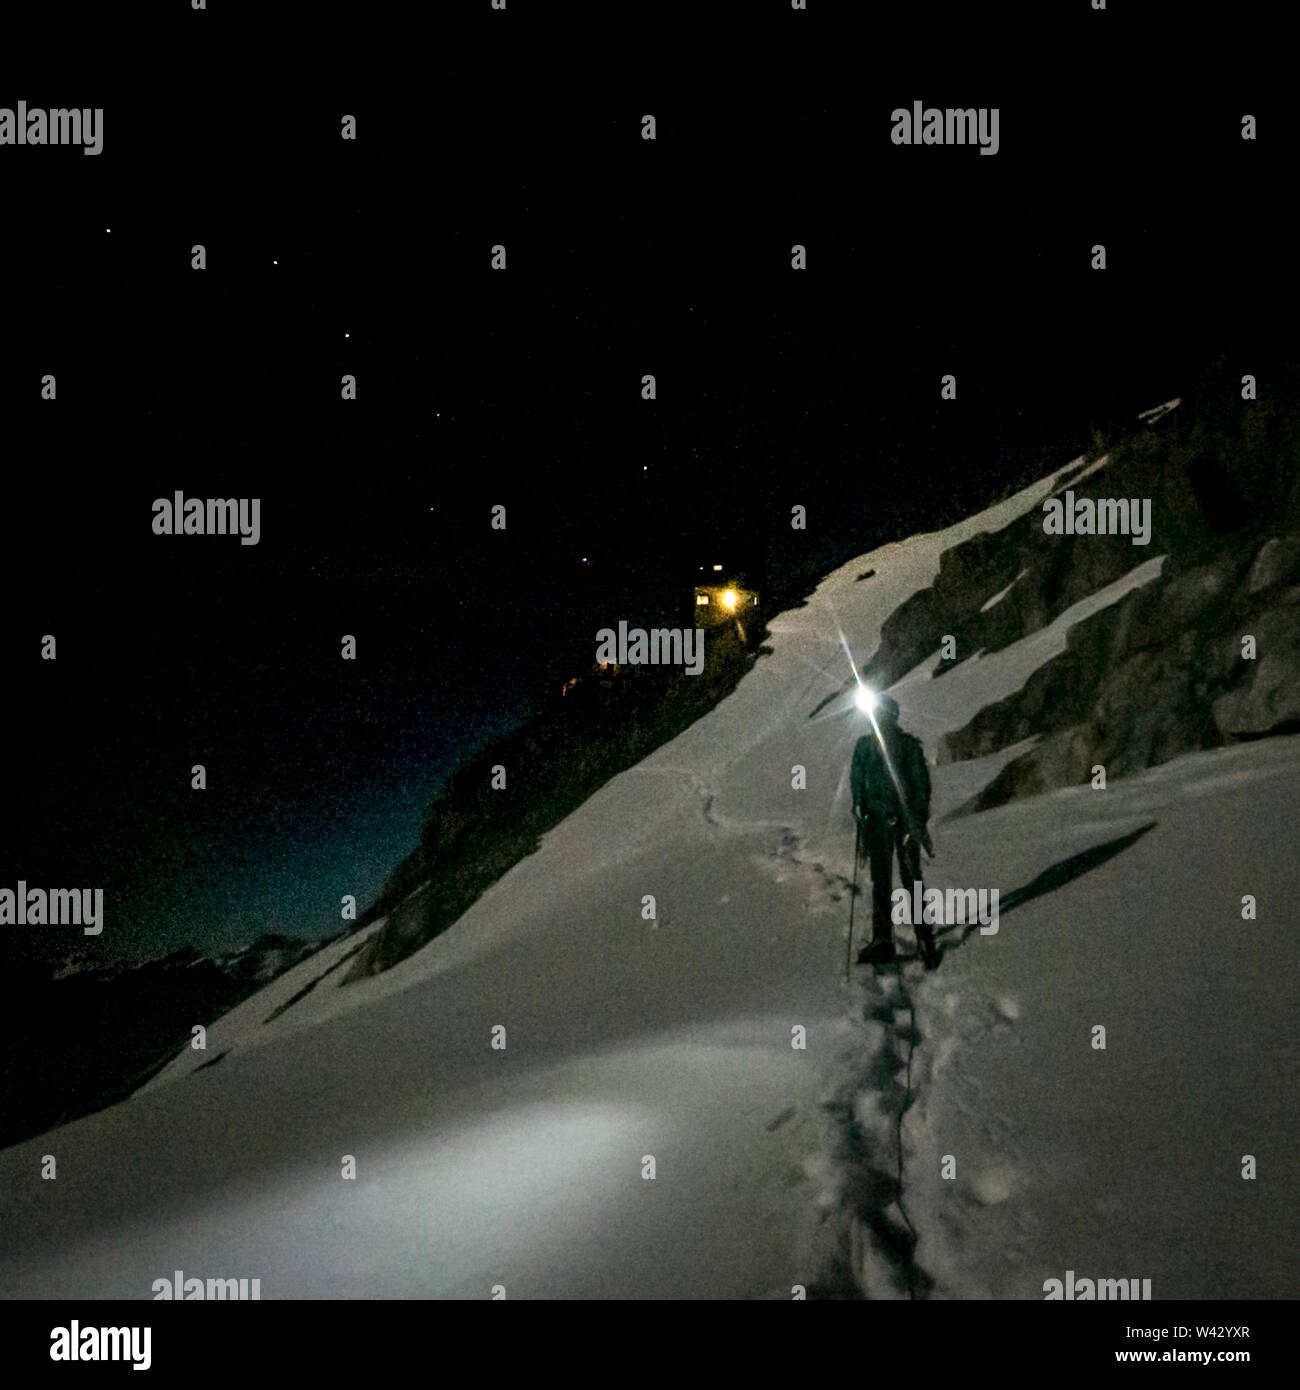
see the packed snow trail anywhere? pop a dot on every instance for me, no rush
(1125, 1162)
(676, 1039)
(1122, 909)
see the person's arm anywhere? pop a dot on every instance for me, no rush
(919, 778)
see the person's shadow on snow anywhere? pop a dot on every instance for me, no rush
(1055, 876)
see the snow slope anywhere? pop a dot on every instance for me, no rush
(628, 1039)
(1125, 1162)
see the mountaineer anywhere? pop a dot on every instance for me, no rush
(891, 804)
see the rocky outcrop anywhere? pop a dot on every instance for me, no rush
(1166, 670)
(1277, 562)
(1159, 674)
(1268, 700)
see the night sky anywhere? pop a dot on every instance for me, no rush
(522, 388)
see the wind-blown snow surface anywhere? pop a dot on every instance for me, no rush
(671, 1038)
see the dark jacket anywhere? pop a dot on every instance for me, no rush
(874, 794)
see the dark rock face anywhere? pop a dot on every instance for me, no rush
(1269, 698)
(1056, 696)
(1277, 562)
(1161, 672)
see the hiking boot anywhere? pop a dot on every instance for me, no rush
(927, 948)
(880, 952)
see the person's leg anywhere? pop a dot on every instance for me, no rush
(880, 856)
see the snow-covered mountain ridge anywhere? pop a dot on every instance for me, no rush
(958, 1134)
(79, 1034)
